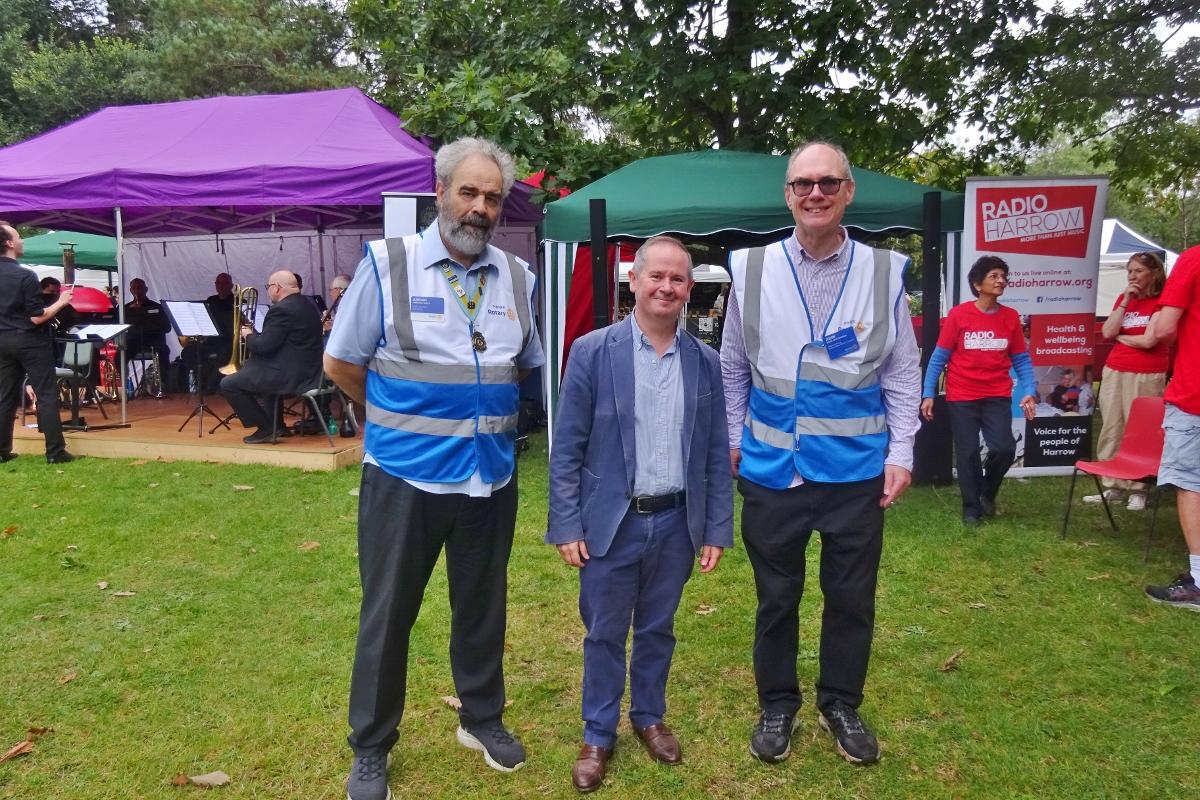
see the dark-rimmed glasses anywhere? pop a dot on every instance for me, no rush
(828, 185)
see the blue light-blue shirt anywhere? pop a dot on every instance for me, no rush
(657, 417)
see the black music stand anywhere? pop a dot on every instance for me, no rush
(93, 336)
(193, 321)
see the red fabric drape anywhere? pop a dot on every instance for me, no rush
(579, 299)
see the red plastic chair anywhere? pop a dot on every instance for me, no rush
(1137, 459)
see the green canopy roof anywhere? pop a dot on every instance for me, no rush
(91, 251)
(733, 193)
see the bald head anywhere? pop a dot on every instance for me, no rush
(281, 284)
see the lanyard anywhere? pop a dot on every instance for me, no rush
(469, 304)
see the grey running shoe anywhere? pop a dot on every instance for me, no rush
(368, 779)
(1182, 593)
(855, 741)
(771, 740)
(501, 750)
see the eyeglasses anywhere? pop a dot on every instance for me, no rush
(829, 185)
(277, 285)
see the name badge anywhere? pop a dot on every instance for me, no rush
(427, 309)
(841, 343)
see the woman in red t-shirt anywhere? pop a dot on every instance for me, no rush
(981, 341)
(1136, 367)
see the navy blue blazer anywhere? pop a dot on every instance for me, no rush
(592, 454)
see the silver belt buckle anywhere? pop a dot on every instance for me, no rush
(637, 505)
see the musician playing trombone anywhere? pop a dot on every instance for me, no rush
(284, 359)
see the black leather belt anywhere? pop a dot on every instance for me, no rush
(650, 504)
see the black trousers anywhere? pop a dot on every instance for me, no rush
(29, 354)
(401, 531)
(243, 393)
(978, 477)
(776, 527)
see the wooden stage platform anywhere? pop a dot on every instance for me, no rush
(153, 433)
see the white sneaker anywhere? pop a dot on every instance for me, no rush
(1111, 495)
(1137, 502)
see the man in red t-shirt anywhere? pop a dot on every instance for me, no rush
(1179, 318)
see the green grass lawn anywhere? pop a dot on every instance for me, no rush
(234, 652)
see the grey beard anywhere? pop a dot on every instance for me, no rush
(465, 238)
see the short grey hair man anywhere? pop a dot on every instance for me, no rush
(449, 156)
(846, 171)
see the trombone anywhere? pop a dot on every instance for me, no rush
(245, 306)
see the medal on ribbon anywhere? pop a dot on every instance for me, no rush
(478, 342)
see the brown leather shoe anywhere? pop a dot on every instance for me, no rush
(590, 765)
(662, 744)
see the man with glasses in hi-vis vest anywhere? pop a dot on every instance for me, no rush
(822, 385)
(432, 337)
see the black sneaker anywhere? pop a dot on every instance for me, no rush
(855, 741)
(7, 457)
(500, 748)
(970, 519)
(771, 740)
(1182, 593)
(368, 779)
(61, 458)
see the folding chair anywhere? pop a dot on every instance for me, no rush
(79, 357)
(1137, 459)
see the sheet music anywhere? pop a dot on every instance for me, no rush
(191, 319)
(260, 314)
(104, 332)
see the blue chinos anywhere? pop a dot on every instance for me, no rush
(640, 581)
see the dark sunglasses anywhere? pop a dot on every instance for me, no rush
(829, 186)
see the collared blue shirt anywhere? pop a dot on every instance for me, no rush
(657, 417)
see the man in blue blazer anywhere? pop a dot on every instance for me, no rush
(640, 486)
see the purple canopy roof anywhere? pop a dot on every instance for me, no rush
(263, 162)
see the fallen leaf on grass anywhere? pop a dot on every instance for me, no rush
(9, 531)
(179, 780)
(72, 547)
(1088, 544)
(24, 747)
(976, 605)
(209, 779)
(1099, 577)
(124, 594)
(241, 487)
(951, 663)
(453, 702)
(705, 609)
(151, 485)
(101, 584)
(68, 678)
(19, 749)
(37, 505)
(138, 463)
(306, 546)
(353, 492)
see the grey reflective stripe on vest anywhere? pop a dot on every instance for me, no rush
(838, 378)
(853, 426)
(752, 317)
(884, 316)
(406, 338)
(442, 373)
(776, 386)
(520, 295)
(436, 426)
(764, 433)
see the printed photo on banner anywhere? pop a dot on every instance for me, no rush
(1048, 232)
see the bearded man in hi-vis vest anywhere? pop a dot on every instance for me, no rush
(822, 385)
(432, 336)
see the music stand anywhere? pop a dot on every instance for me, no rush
(94, 336)
(193, 321)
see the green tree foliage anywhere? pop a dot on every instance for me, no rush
(62, 59)
(890, 79)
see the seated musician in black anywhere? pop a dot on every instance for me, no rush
(284, 359)
(148, 326)
(215, 350)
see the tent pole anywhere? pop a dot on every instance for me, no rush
(120, 230)
(321, 260)
(599, 219)
(932, 454)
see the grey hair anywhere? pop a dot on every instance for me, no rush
(639, 259)
(835, 148)
(449, 156)
(340, 280)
